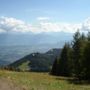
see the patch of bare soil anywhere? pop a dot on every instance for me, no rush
(6, 84)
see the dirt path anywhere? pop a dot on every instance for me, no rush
(5, 84)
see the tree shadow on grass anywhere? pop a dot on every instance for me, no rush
(78, 81)
(72, 80)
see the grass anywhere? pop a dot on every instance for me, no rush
(41, 81)
(24, 66)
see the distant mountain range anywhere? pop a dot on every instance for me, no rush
(14, 46)
(36, 61)
(55, 38)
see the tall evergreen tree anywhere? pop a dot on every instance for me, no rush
(78, 49)
(61, 65)
(88, 36)
(86, 62)
(86, 59)
(54, 68)
(74, 59)
(76, 52)
(64, 61)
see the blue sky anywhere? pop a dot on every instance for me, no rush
(58, 10)
(44, 15)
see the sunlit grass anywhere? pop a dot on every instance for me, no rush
(41, 81)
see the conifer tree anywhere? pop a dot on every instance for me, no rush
(64, 61)
(61, 65)
(86, 59)
(54, 70)
(74, 59)
(86, 62)
(78, 49)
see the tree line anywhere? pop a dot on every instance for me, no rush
(74, 59)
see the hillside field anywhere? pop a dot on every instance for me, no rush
(37, 81)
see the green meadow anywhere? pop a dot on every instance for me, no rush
(41, 81)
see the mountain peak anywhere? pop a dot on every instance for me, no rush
(36, 61)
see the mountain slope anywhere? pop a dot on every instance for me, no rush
(36, 61)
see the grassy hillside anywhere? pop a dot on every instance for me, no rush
(40, 81)
(36, 61)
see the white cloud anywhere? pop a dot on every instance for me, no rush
(58, 27)
(12, 25)
(86, 25)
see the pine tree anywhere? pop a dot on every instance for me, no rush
(74, 59)
(54, 68)
(61, 66)
(86, 63)
(88, 36)
(76, 51)
(64, 61)
(78, 46)
(86, 59)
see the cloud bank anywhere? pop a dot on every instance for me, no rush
(12, 25)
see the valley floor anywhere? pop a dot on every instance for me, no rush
(36, 81)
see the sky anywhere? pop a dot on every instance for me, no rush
(44, 15)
